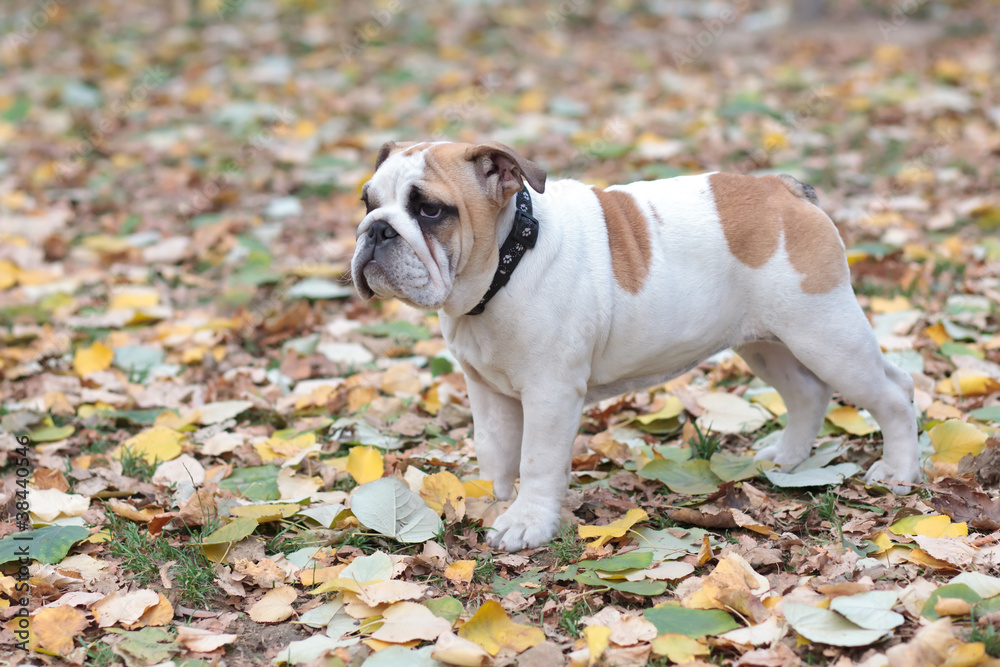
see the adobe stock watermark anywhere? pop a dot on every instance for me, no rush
(711, 31)
(901, 13)
(943, 138)
(371, 29)
(563, 11)
(819, 99)
(458, 113)
(152, 77)
(613, 130)
(223, 177)
(28, 26)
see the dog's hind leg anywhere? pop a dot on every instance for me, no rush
(836, 343)
(804, 394)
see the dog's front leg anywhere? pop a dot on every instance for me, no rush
(499, 425)
(551, 421)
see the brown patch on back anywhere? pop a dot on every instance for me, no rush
(756, 212)
(628, 238)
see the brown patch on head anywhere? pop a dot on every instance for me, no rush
(628, 238)
(390, 148)
(756, 212)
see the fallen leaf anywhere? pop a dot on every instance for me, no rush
(492, 629)
(603, 534)
(275, 606)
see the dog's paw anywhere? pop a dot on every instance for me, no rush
(884, 474)
(781, 455)
(523, 527)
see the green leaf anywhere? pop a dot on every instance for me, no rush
(17, 111)
(47, 545)
(504, 587)
(633, 560)
(390, 508)
(254, 482)
(988, 414)
(732, 467)
(149, 646)
(646, 587)
(691, 477)
(828, 627)
(376, 567)
(234, 531)
(138, 417)
(950, 348)
(396, 330)
(448, 608)
(138, 358)
(871, 610)
(835, 474)
(51, 434)
(960, 591)
(440, 366)
(665, 546)
(695, 623)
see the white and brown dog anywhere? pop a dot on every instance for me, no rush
(625, 288)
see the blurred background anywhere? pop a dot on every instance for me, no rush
(215, 149)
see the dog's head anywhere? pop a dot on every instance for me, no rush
(430, 234)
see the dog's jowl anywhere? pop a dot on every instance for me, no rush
(555, 295)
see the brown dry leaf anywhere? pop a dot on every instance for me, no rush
(202, 641)
(733, 584)
(57, 627)
(275, 606)
(159, 614)
(123, 608)
(407, 621)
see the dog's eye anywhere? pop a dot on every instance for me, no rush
(430, 211)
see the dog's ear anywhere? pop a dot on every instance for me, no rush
(388, 148)
(502, 168)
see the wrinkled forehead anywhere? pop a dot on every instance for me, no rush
(439, 167)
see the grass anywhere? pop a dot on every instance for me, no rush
(99, 654)
(192, 574)
(988, 635)
(485, 570)
(569, 620)
(704, 444)
(136, 466)
(566, 547)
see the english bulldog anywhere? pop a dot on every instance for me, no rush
(555, 295)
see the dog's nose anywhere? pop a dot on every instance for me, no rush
(381, 232)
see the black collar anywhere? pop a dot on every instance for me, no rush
(522, 237)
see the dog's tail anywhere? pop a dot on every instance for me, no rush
(800, 189)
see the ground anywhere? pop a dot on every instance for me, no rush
(214, 453)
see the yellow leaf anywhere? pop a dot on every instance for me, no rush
(678, 648)
(894, 305)
(441, 488)
(134, 297)
(605, 534)
(932, 525)
(365, 464)
(848, 419)
(954, 439)
(967, 655)
(460, 571)
(154, 444)
(598, 639)
(492, 629)
(8, 274)
(968, 385)
(937, 333)
(883, 542)
(775, 140)
(159, 614)
(88, 360)
(401, 380)
(478, 488)
(772, 401)
(358, 397)
(284, 448)
(56, 627)
(672, 407)
(533, 101)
